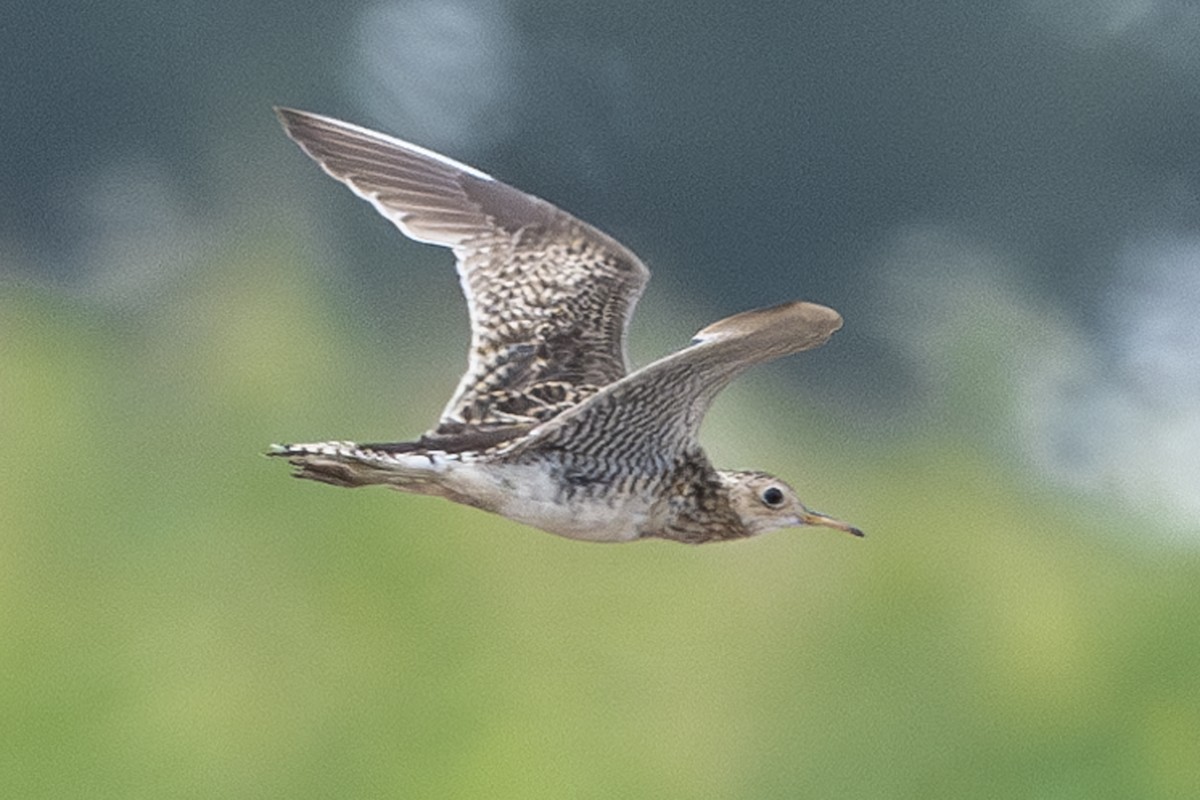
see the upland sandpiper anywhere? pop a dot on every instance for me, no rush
(548, 426)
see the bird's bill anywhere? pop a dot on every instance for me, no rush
(825, 521)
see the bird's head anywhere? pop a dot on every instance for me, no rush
(765, 503)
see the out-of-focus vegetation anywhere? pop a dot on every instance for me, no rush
(179, 619)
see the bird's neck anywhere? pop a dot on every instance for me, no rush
(699, 506)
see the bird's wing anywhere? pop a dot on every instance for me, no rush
(549, 296)
(648, 421)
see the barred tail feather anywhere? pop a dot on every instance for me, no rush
(350, 465)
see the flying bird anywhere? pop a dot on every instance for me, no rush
(548, 425)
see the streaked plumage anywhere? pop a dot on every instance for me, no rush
(548, 426)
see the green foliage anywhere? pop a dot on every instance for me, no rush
(181, 620)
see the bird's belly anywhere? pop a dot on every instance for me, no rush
(529, 496)
(593, 521)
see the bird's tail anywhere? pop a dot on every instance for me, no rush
(349, 465)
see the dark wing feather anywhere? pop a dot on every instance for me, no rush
(649, 421)
(549, 296)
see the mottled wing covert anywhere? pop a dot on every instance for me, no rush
(549, 296)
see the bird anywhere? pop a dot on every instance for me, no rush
(549, 426)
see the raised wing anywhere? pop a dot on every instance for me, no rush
(549, 296)
(648, 422)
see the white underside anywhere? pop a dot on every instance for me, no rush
(527, 495)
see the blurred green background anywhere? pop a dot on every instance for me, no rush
(1000, 203)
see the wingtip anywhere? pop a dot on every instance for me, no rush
(818, 318)
(290, 117)
(817, 313)
(307, 128)
(821, 319)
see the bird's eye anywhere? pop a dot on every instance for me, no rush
(773, 497)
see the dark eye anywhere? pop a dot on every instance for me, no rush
(773, 496)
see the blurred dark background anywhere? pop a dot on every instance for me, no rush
(1002, 200)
